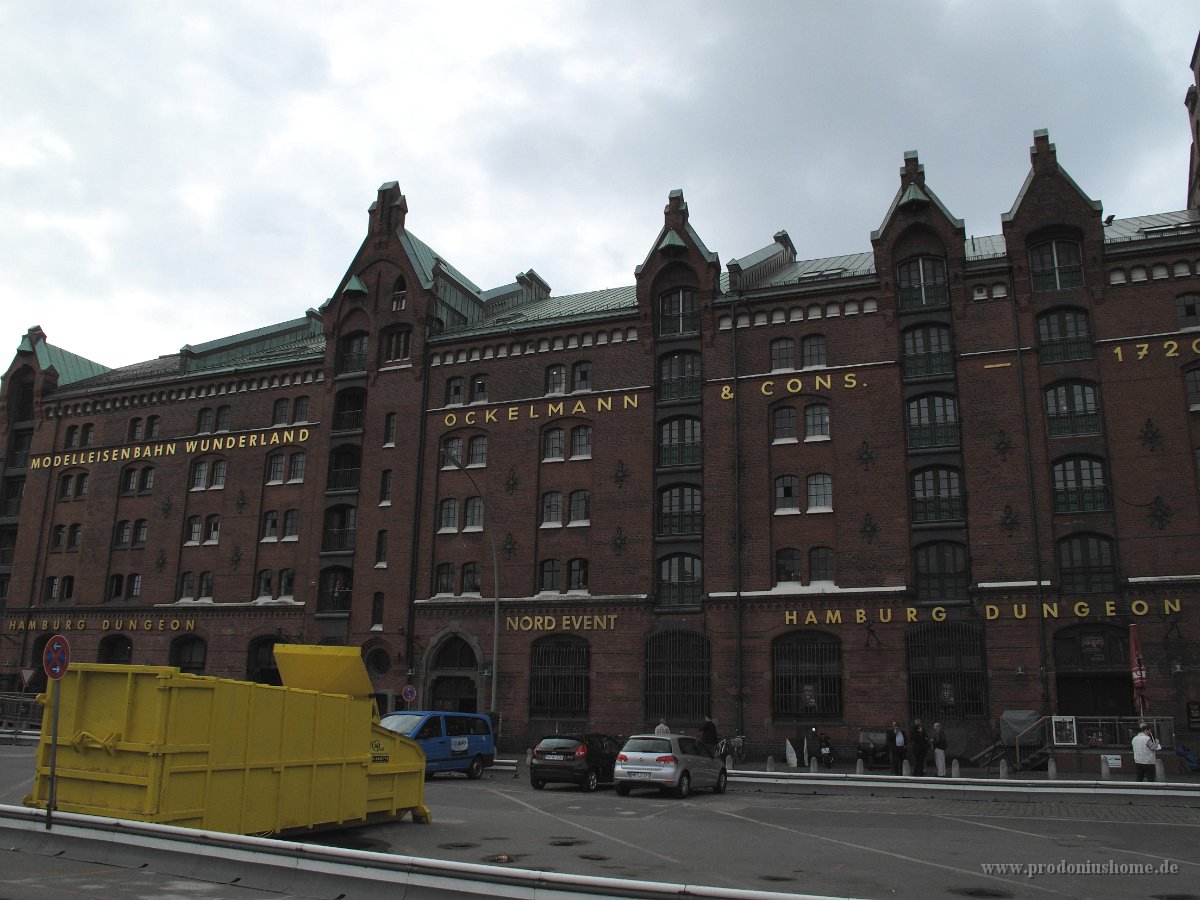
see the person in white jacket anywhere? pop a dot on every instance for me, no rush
(1144, 759)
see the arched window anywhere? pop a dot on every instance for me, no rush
(548, 573)
(787, 565)
(1056, 265)
(679, 580)
(560, 677)
(551, 509)
(678, 311)
(679, 442)
(1086, 564)
(135, 429)
(473, 514)
(399, 294)
(470, 578)
(820, 492)
(1187, 310)
(581, 376)
(679, 376)
(921, 282)
(188, 654)
(341, 528)
(455, 653)
(581, 442)
(816, 422)
(146, 480)
(351, 354)
(941, 570)
(556, 379)
(224, 414)
(260, 661)
(553, 444)
(454, 391)
(820, 564)
(395, 345)
(783, 424)
(937, 495)
(275, 465)
(1079, 485)
(344, 468)
(577, 574)
(212, 529)
(296, 463)
(479, 388)
(1064, 334)
(783, 354)
(443, 579)
(1072, 408)
(187, 585)
(279, 412)
(580, 508)
(806, 676)
(812, 351)
(451, 452)
(947, 672)
(679, 510)
(932, 421)
(787, 494)
(265, 584)
(129, 480)
(677, 678)
(335, 589)
(204, 421)
(116, 649)
(477, 450)
(927, 351)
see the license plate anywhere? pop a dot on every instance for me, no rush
(557, 756)
(638, 774)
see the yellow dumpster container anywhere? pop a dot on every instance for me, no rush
(157, 745)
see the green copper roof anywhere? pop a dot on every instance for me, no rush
(354, 286)
(70, 366)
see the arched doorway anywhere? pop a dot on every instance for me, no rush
(454, 677)
(1091, 663)
(116, 649)
(260, 662)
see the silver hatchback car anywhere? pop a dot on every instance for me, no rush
(673, 762)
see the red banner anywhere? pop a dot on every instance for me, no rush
(1137, 667)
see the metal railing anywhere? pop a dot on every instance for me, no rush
(943, 434)
(343, 479)
(19, 713)
(338, 539)
(1066, 424)
(1095, 733)
(1064, 349)
(1061, 278)
(348, 420)
(938, 509)
(351, 362)
(1080, 499)
(675, 594)
(679, 387)
(679, 523)
(936, 362)
(924, 296)
(679, 454)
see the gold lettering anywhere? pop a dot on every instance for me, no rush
(469, 418)
(912, 613)
(1049, 610)
(304, 433)
(789, 618)
(1081, 609)
(554, 409)
(1020, 611)
(938, 614)
(1110, 607)
(513, 413)
(510, 623)
(726, 392)
(289, 435)
(850, 380)
(810, 618)
(104, 624)
(885, 615)
(824, 381)
(190, 446)
(533, 414)
(767, 388)
(450, 420)
(794, 385)
(174, 624)
(860, 616)
(1171, 606)
(629, 401)
(526, 623)
(604, 404)
(991, 612)
(241, 440)
(489, 415)
(833, 617)
(275, 436)
(1139, 607)
(189, 625)
(578, 409)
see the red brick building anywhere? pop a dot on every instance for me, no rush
(937, 479)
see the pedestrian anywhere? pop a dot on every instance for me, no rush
(662, 727)
(896, 749)
(708, 733)
(1144, 759)
(918, 742)
(939, 749)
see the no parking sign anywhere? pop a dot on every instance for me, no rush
(56, 658)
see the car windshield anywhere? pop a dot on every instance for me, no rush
(402, 723)
(648, 745)
(558, 743)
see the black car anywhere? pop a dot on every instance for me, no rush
(582, 759)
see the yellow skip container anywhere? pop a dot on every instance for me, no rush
(153, 744)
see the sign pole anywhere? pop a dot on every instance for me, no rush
(56, 659)
(57, 688)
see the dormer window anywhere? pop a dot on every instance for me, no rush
(921, 282)
(679, 312)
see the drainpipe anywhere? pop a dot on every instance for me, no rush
(413, 565)
(737, 526)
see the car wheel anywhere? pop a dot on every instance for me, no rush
(591, 780)
(622, 790)
(722, 779)
(684, 787)
(475, 769)
(537, 783)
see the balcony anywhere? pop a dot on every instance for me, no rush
(1065, 349)
(337, 539)
(917, 365)
(924, 296)
(938, 509)
(343, 480)
(941, 434)
(680, 454)
(1065, 425)
(1063, 278)
(673, 594)
(679, 387)
(349, 363)
(1080, 499)
(334, 600)
(348, 420)
(673, 523)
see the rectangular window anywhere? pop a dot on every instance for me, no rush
(218, 474)
(385, 486)
(270, 529)
(448, 515)
(291, 524)
(548, 580)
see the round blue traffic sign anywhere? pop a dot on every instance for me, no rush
(57, 657)
(409, 693)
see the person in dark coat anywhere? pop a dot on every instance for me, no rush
(708, 733)
(918, 742)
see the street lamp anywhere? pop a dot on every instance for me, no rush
(487, 526)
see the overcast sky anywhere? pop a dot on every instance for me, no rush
(175, 172)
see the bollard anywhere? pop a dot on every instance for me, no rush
(770, 764)
(812, 765)
(1051, 769)
(1004, 768)
(1105, 773)
(906, 769)
(955, 769)
(858, 767)
(729, 762)
(1160, 774)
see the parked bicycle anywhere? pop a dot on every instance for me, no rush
(734, 747)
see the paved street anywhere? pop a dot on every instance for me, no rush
(861, 846)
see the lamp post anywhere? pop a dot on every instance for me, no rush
(487, 525)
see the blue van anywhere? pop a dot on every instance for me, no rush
(453, 742)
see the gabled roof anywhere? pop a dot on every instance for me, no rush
(70, 366)
(554, 311)
(1159, 225)
(426, 261)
